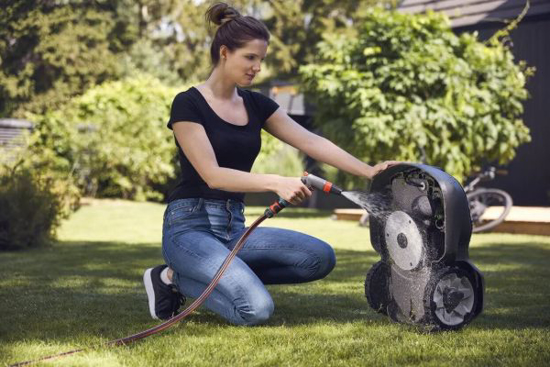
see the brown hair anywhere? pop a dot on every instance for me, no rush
(234, 29)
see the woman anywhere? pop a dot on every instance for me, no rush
(217, 129)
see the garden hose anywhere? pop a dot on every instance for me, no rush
(313, 182)
(270, 212)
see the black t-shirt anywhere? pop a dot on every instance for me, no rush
(234, 146)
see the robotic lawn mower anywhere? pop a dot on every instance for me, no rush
(424, 276)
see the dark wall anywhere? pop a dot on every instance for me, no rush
(528, 180)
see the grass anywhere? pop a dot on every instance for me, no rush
(87, 289)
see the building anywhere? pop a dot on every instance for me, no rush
(12, 135)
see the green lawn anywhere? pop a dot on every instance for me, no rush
(87, 290)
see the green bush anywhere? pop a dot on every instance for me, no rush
(278, 158)
(406, 83)
(115, 138)
(33, 204)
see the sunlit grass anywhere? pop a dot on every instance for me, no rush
(87, 290)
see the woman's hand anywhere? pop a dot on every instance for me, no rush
(291, 189)
(374, 170)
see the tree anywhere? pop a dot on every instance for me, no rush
(297, 26)
(51, 51)
(407, 83)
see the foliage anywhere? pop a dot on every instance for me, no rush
(33, 202)
(145, 57)
(297, 25)
(178, 30)
(277, 157)
(407, 82)
(51, 51)
(115, 137)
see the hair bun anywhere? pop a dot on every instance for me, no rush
(221, 13)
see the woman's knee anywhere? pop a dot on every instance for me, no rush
(327, 259)
(256, 312)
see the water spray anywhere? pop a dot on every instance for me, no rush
(376, 204)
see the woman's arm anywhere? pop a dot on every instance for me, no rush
(197, 148)
(280, 125)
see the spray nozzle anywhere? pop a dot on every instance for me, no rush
(314, 182)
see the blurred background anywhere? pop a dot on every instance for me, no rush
(86, 87)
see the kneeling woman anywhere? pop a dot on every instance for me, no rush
(217, 128)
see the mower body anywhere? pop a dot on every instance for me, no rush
(424, 276)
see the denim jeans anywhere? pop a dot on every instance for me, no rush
(198, 234)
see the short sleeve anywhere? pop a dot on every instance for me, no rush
(184, 109)
(264, 105)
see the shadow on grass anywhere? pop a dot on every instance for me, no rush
(516, 283)
(75, 291)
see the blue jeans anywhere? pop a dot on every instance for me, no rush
(198, 234)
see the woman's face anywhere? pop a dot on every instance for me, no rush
(242, 64)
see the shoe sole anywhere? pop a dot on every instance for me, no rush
(150, 292)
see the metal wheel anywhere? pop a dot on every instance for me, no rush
(451, 299)
(480, 200)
